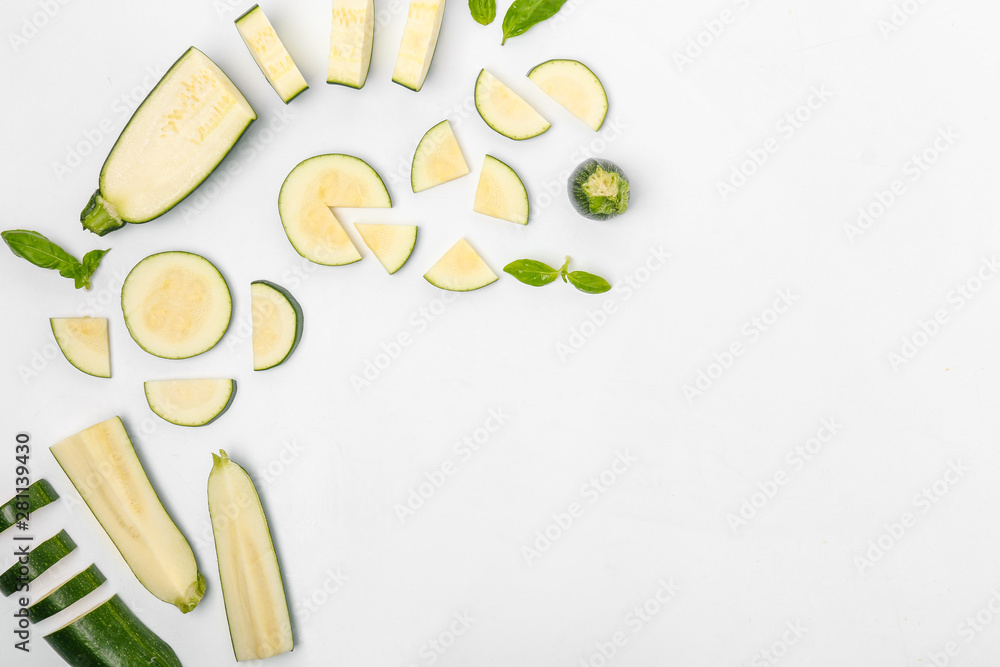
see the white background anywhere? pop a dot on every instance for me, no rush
(332, 463)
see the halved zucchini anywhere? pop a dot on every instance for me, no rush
(461, 269)
(104, 468)
(391, 244)
(174, 140)
(311, 189)
(190, 402)
(270, 54)
(351, 38)
(573, 85)
(38, 560)
(176, 304)
(501, 193)
(110, 635)
(76, 588)
(420, 37)
(84, 343)
(19, 508)
(438, 158)
(277, 324)
(252, 589)
(504, 110)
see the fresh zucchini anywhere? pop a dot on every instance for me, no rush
(252, 589)
(438, 158)
(573, 85)
(176, 304)
(110, 635)
(461, 269)
(311, 189)
(174, 140)
(270, 54)
(504, 110)
(391, 244)
(598, 189)
(501, 193)
(19, 508)
(29, 566)
(352, 35)
(190, 402)
(104, 468)
(277, 324)
(84, 343)
(420, 37)
(76, 588)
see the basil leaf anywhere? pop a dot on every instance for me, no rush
(523, 14)
(42, 252)
(90, 263)
(484, 11)
(530, 272)
(588, 282)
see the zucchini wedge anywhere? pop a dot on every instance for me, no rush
(391, 244)
(176, 304)
(574, 86)
(438, 158)
(174, 140)
(76, 588)
(110, 635)
(501, 193)
(276, 318)
(504, 110)
(190, 402)
(252, 589)
(461, 269)
(29, 567)
(420, 38)
(307, 195)
(270, 54)
(84, 343)
(37, 495)
(352, 35)
(103, 466)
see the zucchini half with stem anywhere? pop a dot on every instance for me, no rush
(174, 140)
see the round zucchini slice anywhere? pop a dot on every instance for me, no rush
(573, 85)
(277, 324)
(598, 189)
(84, 343)
(38, 495)
(40, 559)
(505, 112)
(190, 402)
(76, 588)
(176, 304)
(461, 269)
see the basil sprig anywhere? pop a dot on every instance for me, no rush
(42, 252)
(484, 11)
(538, 274)
(524, 14)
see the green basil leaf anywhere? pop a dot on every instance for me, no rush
(40, 251)
(484, 11)
(90, 263)
(530, 272)
(588, 282)
(523, 14)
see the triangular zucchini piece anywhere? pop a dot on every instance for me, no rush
(84, 343)
(438, 158)
(500, 193)
(391, 244)
(461, 269)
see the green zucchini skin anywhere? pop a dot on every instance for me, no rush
(111, 636)
(39, 494)
(73, 590)
(40, 558)
(604, 208)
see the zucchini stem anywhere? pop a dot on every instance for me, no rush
(99, 216)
